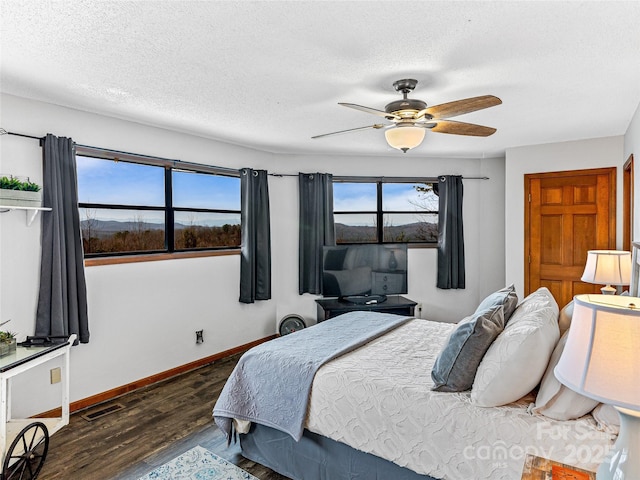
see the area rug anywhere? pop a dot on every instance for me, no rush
(198, 464)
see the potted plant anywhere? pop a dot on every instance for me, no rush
(19, 191)
(7, 341)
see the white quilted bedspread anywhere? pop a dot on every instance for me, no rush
(378, 399)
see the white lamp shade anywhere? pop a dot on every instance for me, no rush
(404, 138)
(607, 267)
(601, 358)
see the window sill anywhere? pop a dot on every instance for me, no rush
(422, 245)
(154, 257)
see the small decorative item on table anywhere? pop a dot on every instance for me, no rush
(7, 343)
(538, 468)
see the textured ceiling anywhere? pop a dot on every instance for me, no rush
(269, 74)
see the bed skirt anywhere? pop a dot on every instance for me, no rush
(316, 457)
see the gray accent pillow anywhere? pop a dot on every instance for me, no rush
(506, 297)
(455, 368)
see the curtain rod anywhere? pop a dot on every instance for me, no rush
(5, 132)
(341, 178)
(107, 154)
(362, 179)
(179, 163)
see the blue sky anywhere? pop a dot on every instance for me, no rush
(106, 181)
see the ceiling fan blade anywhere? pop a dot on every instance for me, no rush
(376, 126)
(374, 111)
(461, 128)
(459, 107)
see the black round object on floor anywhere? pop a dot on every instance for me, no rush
(291, 323)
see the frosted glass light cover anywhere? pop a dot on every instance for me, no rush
(404, 138)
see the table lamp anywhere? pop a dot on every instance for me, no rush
(601, 360)
(608, 267)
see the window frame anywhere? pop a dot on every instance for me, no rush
(169, 166)
(379, 212)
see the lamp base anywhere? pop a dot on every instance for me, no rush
(622, 462)
(608, 290)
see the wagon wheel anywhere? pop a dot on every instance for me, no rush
(27, 452)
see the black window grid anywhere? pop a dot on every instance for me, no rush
(169, 211)
(380, 213)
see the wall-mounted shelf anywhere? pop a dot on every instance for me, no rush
(31, 212)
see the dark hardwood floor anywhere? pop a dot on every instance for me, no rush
(157, 423)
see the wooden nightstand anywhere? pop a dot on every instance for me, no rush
(538, 468)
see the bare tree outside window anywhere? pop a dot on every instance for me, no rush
(89, 229)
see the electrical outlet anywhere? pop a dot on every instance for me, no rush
(199, 336)
(56, 375)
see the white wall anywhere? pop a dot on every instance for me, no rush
(578, 155)
(632, 146)
(143, 315)
(483, 227)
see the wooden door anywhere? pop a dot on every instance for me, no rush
(567, 214)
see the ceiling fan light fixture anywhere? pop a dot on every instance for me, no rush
(409, 117)
(404, 137)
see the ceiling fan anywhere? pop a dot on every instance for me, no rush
(410, 117)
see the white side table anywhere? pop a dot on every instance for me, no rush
(23, 359)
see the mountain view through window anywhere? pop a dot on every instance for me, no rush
(385, 212)
(125, 206)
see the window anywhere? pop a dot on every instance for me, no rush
(385, 212)
(196, 223)
(128, 207)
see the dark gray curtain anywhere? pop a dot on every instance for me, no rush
(450, 233)
(316, 228)
(255, 260)
(62, 301)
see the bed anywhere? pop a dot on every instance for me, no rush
(370, 410)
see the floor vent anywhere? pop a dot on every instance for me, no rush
(101, 412)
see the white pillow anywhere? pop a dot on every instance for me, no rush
(607, 418)
(564, 319)
(557, 401)
(518, 358)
